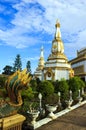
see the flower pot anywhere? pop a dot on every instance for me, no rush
(34, 114)
(80, 99)
(69, 103)
(51, 109)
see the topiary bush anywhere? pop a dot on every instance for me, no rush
(28, 94)
(75, 84)
(63, 88)
(45, 88)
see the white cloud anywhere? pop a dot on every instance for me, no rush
(15, 37)
(71, 15)
(31, 18)
(32, 58)
(71, 48)
(42, 17)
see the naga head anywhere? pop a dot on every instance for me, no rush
(16, 82)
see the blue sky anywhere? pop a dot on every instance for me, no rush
(26, 25)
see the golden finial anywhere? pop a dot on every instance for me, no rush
(57, 23)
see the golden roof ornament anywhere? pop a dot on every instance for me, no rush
(57, 23)
(57, 33)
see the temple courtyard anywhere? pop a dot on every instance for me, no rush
(74, 120)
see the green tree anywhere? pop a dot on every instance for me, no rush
(33, 84)
(8, 70)
(46, 88)
(55, 84)
(17, 63)
(28, 94)
(28, 66)
(75, 84)
(63, 88)
(81, 83)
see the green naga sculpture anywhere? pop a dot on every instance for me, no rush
(14, 85)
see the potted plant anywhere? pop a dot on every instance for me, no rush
(51, 105)
(33, 113)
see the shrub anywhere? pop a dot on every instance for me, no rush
(52, 99)
(75, 84)
(33, 84)
(46, 88)
(63, 88)
(28, 94)
(55, 84)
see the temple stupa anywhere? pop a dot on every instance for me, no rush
(56, 67)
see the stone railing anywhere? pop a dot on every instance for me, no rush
(69, 106)
(12, 122)
(56, 115)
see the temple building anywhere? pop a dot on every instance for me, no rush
(79, 64)
(39, 70)
(56, 67)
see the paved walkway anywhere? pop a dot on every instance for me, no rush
(74, 120)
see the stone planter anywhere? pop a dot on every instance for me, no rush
(34, 114)
(51, 109)
(69, 103)
(80, 99)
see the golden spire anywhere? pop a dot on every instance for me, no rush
(57, 44)
(41, 60)
(57, 23)
(58, 33)
(42, 52)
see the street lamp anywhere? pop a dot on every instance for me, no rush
(59, 95)
(79, 93)
(40, 101)
(70, 94)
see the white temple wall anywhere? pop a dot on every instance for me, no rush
(48, 78)
(59, 74)
(40, 77)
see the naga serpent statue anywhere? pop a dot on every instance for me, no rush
(14, 85)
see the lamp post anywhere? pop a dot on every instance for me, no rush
(79, 93)
(59, 95)
(70, 95)
(82, 91)
(79, 96)
(40, 101)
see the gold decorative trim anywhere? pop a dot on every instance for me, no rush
(49, 71)
(57, 25)
(80, 74)
(78, 59)
(71, 73)
(57, 62)
(55, 57)
(57, 68)
(12, 122)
